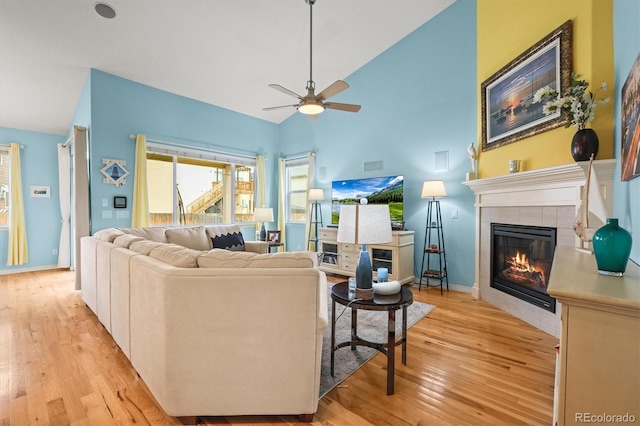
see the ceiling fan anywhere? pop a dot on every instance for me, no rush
(313, 104)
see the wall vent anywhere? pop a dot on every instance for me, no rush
(372, 166)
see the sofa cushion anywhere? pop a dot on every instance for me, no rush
(108, 234)
(125, 240)
(144, 246)
(218, 258)
(195, 238)
(175, 255)
(148, 233)
(226, 237)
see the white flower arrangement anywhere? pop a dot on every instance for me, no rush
(576, 104)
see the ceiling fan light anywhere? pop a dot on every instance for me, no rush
(311, 107)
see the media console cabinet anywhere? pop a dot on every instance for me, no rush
(598, 376)
(396, 256)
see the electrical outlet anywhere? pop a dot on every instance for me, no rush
(105, 202)
(54, 252)
(107, 214)
(454, 214)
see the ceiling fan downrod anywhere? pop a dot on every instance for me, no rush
(311, 86)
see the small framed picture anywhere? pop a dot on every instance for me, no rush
(38, 191)
(273, 237)
(114, 171)
(119, 202)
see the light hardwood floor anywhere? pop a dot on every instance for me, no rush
(468, 363)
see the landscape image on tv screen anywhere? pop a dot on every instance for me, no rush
(377, 190)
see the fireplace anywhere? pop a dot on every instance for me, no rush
(521, 258)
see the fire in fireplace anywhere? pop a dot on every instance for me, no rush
(521, 258)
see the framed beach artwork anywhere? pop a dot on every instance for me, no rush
(631, 124)
(508, 111)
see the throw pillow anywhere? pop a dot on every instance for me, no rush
(220, 258)
(217, 258)
(108, 234)
(144, 246)
(126, 240)
(195, 238)
(226, 237)
(151, 233)
(176, 255)
(233, 241)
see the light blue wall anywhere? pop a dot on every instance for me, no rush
(121, 107)
(418, 98)
(626, 195)
(39, 166)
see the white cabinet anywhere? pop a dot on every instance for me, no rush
(599, 363)
(396, 256)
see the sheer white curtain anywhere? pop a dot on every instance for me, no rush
(282, 194)
(64, 182)
(261, 182)
(311, 158)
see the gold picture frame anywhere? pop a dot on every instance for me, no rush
(508, 113)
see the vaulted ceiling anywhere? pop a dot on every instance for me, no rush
(223, 52)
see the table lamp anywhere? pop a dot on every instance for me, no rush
(364, 224)
(263, 214)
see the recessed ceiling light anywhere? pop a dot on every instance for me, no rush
(104, 10)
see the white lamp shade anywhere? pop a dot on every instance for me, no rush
(364, 224)
(316, 194)
(263, 214)
(433, 188)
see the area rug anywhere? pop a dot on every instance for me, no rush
(372, 325)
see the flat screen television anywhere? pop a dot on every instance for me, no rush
(377, 190)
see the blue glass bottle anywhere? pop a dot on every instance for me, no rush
(612, 247)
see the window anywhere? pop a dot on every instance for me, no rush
(4, 187)
(297, 175)
(194, 187)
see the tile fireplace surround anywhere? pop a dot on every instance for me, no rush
(546, 197)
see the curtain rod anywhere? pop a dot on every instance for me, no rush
(64, 145)
(8, 146)
(174, 144)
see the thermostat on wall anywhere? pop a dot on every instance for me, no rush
(119, 202)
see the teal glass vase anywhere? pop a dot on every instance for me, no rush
(612, 247)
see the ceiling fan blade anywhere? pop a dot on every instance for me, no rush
(334, 89)
(279, 107)
(285, 90)
(342, 107)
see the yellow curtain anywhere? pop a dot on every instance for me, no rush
(140, 205)
(281, 199)
(18, 251)
(261, 190)
(310, 184)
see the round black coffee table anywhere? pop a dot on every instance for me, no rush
(340, 294)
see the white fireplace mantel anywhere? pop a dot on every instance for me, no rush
(544, 197)
(553, 186)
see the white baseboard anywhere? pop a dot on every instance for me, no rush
(455, 287)
(34, 269)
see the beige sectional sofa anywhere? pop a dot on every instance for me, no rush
(211, 331)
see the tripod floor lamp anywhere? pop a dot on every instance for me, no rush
(434, 252)
(315, 196)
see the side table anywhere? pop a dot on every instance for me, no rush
(340, 294)
(275, 245)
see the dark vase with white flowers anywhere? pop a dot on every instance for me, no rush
(578, 107)
(584, 144)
